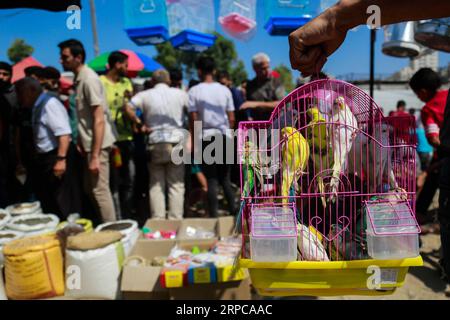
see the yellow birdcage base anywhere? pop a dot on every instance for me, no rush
(335, 278)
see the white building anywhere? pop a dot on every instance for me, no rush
(428, 60)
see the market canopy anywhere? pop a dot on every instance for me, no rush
(49, 5)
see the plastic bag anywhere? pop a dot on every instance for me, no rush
(7, 236)
(24, 208)
(128, 228)
(199, 233)
(2, 286)
(34, 268)
(4, 218)
(34, 223)
(99, 270)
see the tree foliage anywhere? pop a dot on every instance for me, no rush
(19, 50)
(238, 73)
(286, 77)
(223, 51)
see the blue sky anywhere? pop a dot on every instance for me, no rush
(44, 30)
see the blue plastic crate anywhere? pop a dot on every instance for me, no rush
(148, 35)
(189, 40)
(283, 26)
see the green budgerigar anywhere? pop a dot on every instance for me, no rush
(251, 169)
(295, 155)
(321, 153)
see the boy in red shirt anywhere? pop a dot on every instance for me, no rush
(426, 85)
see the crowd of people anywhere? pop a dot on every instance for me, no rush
(102, 146)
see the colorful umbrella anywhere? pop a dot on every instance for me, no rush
(138, 63)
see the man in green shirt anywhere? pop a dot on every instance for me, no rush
(118, 90)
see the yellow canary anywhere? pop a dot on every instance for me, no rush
(321, 154)
(295, 154)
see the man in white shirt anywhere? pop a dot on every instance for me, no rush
(51, 136)
(212, 103)
(163, 109)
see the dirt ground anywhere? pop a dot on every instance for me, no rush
(422, 283)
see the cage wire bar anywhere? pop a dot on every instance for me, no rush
(356, 155)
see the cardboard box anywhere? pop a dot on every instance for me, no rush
(225, 226)
(221, 227)
(142, 282)
(162, 225)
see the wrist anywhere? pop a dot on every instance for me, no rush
(348, 14)
(61, 158)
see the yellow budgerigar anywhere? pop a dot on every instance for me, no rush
(295, 154)
(321, 153)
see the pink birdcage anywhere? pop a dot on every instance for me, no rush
(328, 157)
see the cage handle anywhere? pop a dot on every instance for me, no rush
(151, 9)
(290, 4)
(241, 5)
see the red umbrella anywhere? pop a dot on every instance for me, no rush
(19, 67)
(19, 71)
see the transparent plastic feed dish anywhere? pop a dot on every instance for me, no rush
(392, 230)
(393, 247)
(273, 249)
(274, 234)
